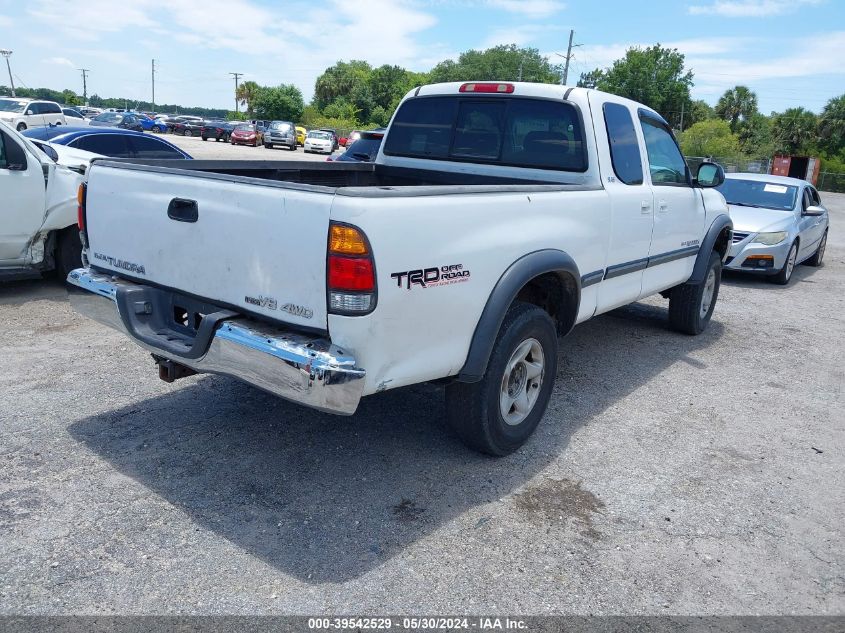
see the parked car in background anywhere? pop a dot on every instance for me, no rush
(26, 113)
(354, 135)
(335, 137)
(189, 127)
(280, 133)
(182, 118)
(89, 112)
(779, 222)
(300, 135)
(150, 124)
(39, 185)
(319, 141)
(109, 141)
(364, 149)
(124, 120)
(74, 116)
(217, 130)
(247, 134)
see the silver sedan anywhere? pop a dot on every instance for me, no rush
(778, 223)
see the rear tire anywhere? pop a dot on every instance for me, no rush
(68, 252)
(498, 414)
(188, 133)
(691, 305)
(785, 274)
(816, 259)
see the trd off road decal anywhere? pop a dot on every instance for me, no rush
(431, 277)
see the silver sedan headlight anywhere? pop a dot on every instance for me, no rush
(770, 239)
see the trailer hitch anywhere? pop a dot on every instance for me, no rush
(169, 370)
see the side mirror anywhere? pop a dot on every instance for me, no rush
(709, 175)
(28, 113)
(813, 210)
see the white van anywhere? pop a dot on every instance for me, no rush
(22, 114)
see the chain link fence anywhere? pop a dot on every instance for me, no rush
(830, 181)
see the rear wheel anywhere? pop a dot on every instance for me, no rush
(816, 259)
(188, 133)
(691, 305)
(205, 138)
(69, 252)
(498, 414)
(268, 146)
(785, 274)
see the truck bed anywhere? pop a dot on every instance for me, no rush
(341, 176)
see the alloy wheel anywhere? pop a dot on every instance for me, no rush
(521, 381)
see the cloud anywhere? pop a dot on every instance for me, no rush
(529, 8)
(91, 18)
(59, 61)
(750, 8)
(519, 35)
(5, 20)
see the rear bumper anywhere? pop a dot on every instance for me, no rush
(303, 368)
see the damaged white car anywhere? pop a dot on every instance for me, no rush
(38, 187)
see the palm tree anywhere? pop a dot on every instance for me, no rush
(832, 125)
(737, 104)
(247, 94)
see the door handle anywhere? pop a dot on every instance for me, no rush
(662, 206)
(183, 210)
(645, 207)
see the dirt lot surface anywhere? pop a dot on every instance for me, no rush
(670, 475)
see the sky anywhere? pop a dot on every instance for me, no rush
(790, 52)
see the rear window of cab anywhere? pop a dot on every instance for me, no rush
(512, 131)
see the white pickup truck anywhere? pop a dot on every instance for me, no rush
(496, 217)
(39, 183)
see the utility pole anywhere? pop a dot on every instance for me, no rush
(236, 75)
(520, 69)
(154, 86)
(7, 54)
(84, 72)
(568, 56)
(682, 116)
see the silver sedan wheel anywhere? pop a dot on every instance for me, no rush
(709, 290)
(790, 261)
(521, 381)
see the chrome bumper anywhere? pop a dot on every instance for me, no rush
(298, 367)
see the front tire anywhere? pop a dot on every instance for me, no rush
(785, 274)
(816, 259)
(21, 127)
(498, 414)
(188, 133)
(691, 305)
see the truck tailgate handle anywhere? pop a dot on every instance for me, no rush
(183, 210)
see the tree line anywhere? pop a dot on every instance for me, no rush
(354, 95)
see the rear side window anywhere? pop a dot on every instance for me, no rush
(536, 133)
(112, 145)
(624, 148)
(144, 147)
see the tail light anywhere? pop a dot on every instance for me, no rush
(80, 208)
(351, 273)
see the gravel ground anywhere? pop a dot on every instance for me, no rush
(670, 475)
(198, 148)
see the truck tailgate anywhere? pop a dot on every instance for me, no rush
(255, 246)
